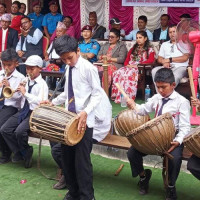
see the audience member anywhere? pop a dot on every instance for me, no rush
(142, 22)
(9, 76)
(89, 47)
(16, 129)
(51, 19)
(115, 23)
(67, 20)
(16, 16)
(8, 36)
(162, 33)
(30, 42)
(185, 16)
(127, 76)
(36, 17)
(22, 8)
(97, 30)
(2, 10)
(114, 51)
(170, 57)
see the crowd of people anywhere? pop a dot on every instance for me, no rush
(21, 44)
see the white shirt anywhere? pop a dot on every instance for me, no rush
(14, 79)
(4, 32)
(86, 87)
(168, 50)
(103, 116)
(177, 105)
(38, 93)
(53, 54)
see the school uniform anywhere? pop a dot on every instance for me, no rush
(15, 130)
(83, 86)
(179, 107)
(9, 107)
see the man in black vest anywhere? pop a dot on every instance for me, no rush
(30, 42)
(162, 33)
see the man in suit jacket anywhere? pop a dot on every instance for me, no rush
(8, 36)
(162, 33)
(97, 30)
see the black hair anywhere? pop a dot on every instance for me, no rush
(3, 4)
(22, 4)
(143, 18)
(172, 26)
(65, 44)
(115, 31)
(164, 75)
(165, 15)
(69, 18)
(9, 55)
(26, 17)
(185, 15)
(17, 3)
(146, 44)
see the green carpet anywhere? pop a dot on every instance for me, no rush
(106, 185)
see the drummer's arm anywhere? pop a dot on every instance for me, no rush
(184, 122)
(60, 99)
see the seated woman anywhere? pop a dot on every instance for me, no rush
(69, 28)
(127, 76)
(115, 51)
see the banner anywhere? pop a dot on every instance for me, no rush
(162, 3)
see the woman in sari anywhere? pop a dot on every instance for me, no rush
(115, 51)
(127, 76)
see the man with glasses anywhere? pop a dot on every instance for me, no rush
(30, 42)
(171, 57)
(89, 47)
(8, 36)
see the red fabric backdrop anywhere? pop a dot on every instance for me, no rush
(72, 8)
(174, 14)
(124, 13)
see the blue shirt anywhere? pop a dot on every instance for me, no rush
(36, 20)
(163, 34)
(91, 47)
(132, 35)
(50, 21)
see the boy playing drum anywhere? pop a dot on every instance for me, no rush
(167, 100)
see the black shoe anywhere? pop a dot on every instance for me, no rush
(5, 159)
(61, 184)
(28, 157)
(69, 197)
(171, 193)
(144, 182)
(17, 158)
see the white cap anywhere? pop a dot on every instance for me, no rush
(34, 61)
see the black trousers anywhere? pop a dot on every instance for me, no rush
(193, 166)
(77, 167)
(56, 153)
(136, 162)
(5, 113)
(16, 135)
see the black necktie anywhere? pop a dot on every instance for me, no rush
(2, 97)
(71, 99)
(25, 110)
(164, 101)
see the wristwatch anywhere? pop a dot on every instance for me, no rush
(170, 59)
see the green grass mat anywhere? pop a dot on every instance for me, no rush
(106, 185)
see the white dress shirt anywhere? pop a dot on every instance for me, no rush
(14, 79)
(38, 93)
(4, 32)
(86, 87)
(103, 116)
(178, 106)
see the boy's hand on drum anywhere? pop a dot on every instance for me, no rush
(173, 146)
(82, 117)
(46, 102)
(195, 102)
(131, 104)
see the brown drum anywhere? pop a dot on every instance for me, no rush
(154, 136)
(128, 120)
(192, 141)
(55, 124)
